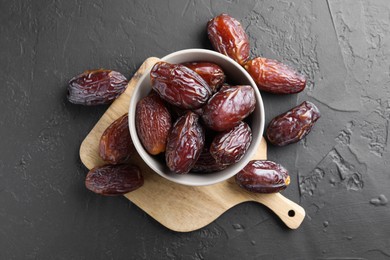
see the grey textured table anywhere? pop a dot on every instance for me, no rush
(339, 172)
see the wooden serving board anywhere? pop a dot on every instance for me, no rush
(178, 207)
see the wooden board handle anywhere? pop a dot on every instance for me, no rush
(288, 211)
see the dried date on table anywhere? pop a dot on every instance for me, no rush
(179, 85)
(210, 72)
(115, 144)
(96, 87)
(113, 180)
(228, 107)
(293, 125)
(228, 37)
(230, 146)
(153, 123)
(263, 177)
(275, 77)
(185, 143)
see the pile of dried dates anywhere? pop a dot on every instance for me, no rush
(195, 118)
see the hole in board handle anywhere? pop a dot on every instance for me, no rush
(291, 213)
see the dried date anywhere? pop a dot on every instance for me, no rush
(206, 163)
(263, 177)
(293, 125)
(230, 146)
(210, 72)
(113, 180)
(96, 87)
(179, 85)
(185, 143)
(153, 123)
(228, 107)
(115, 144)
(275, 77)
(229, 38)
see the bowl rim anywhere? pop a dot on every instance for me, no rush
(183, 180)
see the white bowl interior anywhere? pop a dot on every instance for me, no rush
(236, 75)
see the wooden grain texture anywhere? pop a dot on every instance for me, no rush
(178, 207)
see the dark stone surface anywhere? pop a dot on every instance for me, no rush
(340, 172)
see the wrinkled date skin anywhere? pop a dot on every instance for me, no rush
(115, 144)
(179, 85)
(206, 163)
(230, 146)
(229, 38)
(96, 87)
(292, 126)
(210, 72)
(153, 123)
(275, 77)
(228, 107)
(113, 180)
(185, 143)
(263, 177)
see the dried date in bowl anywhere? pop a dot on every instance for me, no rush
(230, 146)
(179, 85)
(153, 123)
(228, 107)
(210, 72)
(185, 143)
(237, 76)
(206, 163)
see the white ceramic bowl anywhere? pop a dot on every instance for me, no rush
(237, 76)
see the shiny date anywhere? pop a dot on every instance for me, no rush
(292, 126)
(115, 144)
(263, 177)
(228, 37)
(179, 85)
(230, 146)
(185, 143)
(275, 77)
(210, 72)
(153, 123)
(228, 107)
